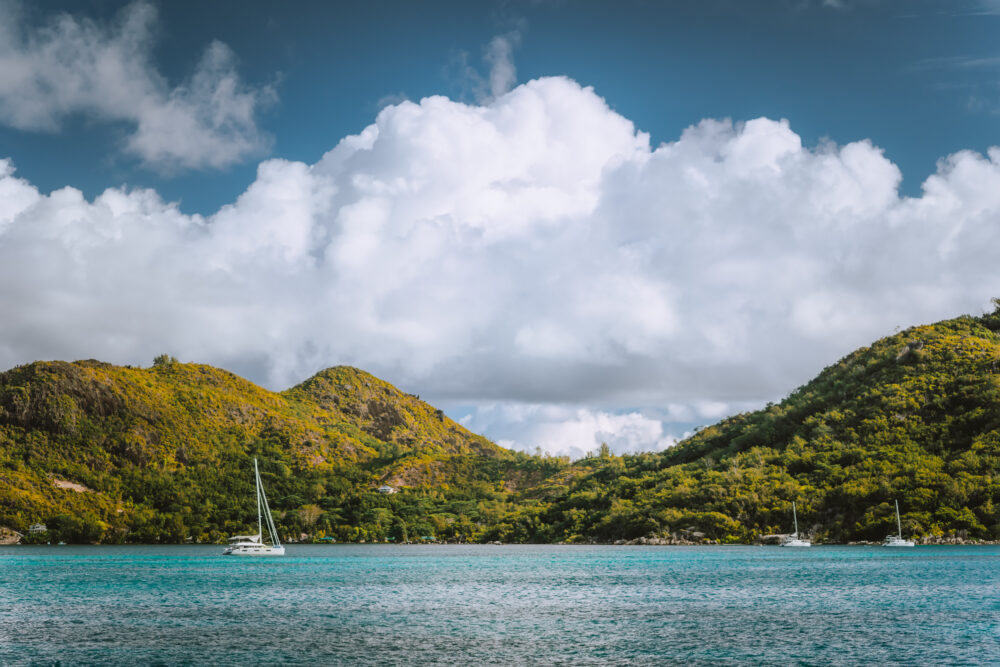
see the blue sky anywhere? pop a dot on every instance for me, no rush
(555, 265)
(920, 79)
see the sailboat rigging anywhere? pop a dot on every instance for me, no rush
(254, 545)
(897, 539)
(794, 540)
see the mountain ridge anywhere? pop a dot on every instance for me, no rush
(113, 453)
(107, 428)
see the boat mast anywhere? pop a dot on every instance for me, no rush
(275, 541)
(795, 519)
(260, 527)
(899, 526)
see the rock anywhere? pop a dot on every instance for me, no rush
(9, 536)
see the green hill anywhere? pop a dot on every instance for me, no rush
(914, 418)
(163, 454)
(109, 453)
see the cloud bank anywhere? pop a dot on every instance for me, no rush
(532, 258)
(76, 66)
(569, 431)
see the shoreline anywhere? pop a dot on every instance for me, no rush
(631, 543)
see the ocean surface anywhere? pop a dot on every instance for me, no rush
(506, 605)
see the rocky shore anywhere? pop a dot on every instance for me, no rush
(925, 541)
(936, 540)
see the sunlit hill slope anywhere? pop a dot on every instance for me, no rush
(915, 417)
(162, 454)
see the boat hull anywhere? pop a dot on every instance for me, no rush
(796, 544)
(254, 551)
(898, 544)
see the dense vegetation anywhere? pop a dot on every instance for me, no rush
(914, 418)
(163, 455)
(120, 454)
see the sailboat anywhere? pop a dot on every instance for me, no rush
(794, 540)
(253, 545)
(897, 539)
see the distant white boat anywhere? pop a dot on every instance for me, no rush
(794, 540)
(897, 539)
(254, 545)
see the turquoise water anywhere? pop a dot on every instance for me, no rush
(462, 605)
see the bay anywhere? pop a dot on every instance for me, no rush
(512, 604)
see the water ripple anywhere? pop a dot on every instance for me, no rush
(512, 605)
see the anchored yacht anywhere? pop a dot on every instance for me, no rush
(897, 539)
(794, 540)
(254, 545)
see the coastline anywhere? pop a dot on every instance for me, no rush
(639, 542)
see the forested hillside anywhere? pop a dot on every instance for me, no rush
(106, 453)
(121, 454)
(914, 418)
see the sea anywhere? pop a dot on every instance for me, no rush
(500, 605)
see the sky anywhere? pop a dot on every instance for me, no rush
(565, 223)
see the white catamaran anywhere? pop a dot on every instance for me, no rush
(794, 540)
(897, 539)
(253, 545)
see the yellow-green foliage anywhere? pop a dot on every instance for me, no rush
(165, 455)
(914, 418)
(164, 452)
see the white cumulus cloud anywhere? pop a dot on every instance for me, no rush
(533, 255)
(567, 431)
(75, 66)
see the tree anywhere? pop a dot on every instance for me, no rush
(86, 528)
(163, 360)
(309, 514)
